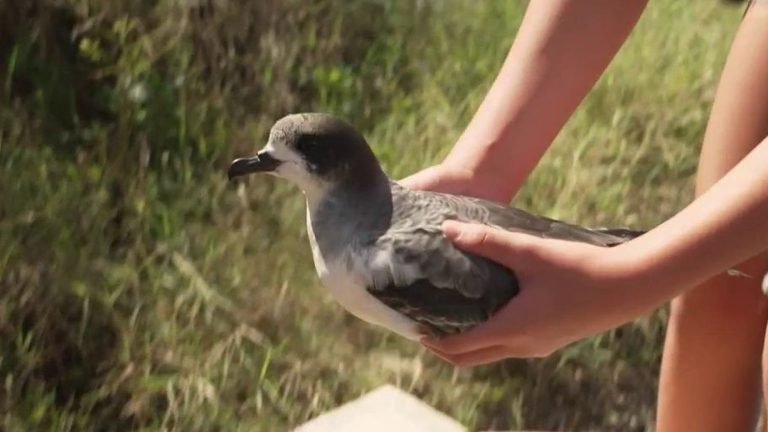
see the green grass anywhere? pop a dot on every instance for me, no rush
(140, 290)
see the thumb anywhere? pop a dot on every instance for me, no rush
(507, 248)
(506, 327)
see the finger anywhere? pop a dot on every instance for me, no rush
(479, 337)
(442, 355)
(480, 357)
(412, 182)
(495, 353)
(509, 326)
(420, 180)
(501, 246)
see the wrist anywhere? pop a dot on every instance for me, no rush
(480, 180)
(642, 267)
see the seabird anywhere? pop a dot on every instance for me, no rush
(378, 246)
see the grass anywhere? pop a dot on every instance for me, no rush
(139, 290)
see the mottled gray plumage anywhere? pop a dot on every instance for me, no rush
(374, 234)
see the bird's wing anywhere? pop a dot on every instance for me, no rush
(516, 220)
(417, 272)
(414, 269)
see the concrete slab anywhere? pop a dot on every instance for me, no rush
(385, 409)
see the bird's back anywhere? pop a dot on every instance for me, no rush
(434, 208)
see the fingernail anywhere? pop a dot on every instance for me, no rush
(431, 343)
(451, 229)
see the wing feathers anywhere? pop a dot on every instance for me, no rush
(414, 269)
(423, 276)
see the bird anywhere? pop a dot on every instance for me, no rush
(378, 246)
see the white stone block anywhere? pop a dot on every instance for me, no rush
(385, 409)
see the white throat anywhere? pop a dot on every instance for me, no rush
(294, 169)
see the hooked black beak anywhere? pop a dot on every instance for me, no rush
(262, 162)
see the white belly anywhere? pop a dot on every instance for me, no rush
(351, 292)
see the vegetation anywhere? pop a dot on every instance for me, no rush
(141, 290)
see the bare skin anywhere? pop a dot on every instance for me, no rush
(710, 373)
(715, 335)
(530, 101)
(571, 290)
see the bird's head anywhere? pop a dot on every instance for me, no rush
(314, 151)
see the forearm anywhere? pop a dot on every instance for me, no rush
(561, 49)
(724, 226)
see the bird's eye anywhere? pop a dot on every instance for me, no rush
(305, 144)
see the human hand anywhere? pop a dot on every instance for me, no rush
(456, 180)
(568, 291)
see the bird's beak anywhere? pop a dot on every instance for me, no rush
(262, 162)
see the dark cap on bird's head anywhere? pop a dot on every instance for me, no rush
(312, 148)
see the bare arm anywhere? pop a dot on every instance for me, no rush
(722, 213)
(716, 331)
(570, 290)
(561, 49)
(573, 290)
